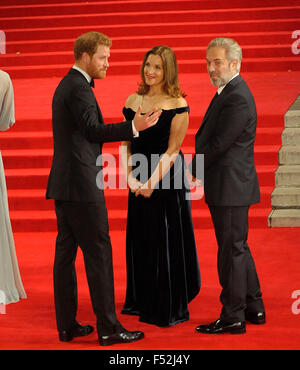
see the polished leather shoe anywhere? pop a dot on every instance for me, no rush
(124, 336)
(220, 327)
(77, 331)
(257, 318)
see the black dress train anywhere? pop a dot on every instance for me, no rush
(162, 265)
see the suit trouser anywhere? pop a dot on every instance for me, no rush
(236, 268)
(86, 225)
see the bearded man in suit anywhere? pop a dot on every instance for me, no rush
(79, 133)
(226, 138)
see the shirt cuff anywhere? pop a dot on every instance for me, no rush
(134, 131)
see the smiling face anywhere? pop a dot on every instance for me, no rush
(219, 68)
(153, 70)
(97, 65)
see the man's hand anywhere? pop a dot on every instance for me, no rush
(143, 121)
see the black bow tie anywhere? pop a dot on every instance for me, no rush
(92, 84)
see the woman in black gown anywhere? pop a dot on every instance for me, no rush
(162, 265)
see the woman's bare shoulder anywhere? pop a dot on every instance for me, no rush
(181, 102)
(133, 101)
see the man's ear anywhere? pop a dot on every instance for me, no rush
(233, 65)
(85, 58)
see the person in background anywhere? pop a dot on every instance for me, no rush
(10, 280)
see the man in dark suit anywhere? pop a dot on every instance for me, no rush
(79, 132)
(226, 138)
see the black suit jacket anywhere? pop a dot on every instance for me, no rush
(226, 138)
(78, 133)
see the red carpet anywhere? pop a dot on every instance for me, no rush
(30, 324)
(40, 36)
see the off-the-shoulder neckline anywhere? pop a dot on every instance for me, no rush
(161, 109)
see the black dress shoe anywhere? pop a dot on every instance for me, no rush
(77, 331)
(257, 318)
(220, 327)
(124, 336)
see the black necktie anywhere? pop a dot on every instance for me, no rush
(92, 84)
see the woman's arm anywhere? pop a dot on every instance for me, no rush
(178, 130)
(133, 183)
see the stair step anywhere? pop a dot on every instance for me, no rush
(39, 221)
(292, 116)
(203, 4)
(286, 197)
(288, 175)
(152, 28)
(133, 67)
(131, 17)
(289, 155)
(44, 139)
(35, 199)
(94, 7)
(36, 178)
(144, 41)
(265, 121)
(122, 7)
(284, 218)
(42, 158)
(129, 54)
(291, 136)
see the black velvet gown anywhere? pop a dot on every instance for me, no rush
(162, 265)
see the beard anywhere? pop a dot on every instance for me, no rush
(220, 80)
(95, 72)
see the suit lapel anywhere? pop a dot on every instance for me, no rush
(217, 99)
(208, 112)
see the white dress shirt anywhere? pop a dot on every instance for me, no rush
(220, 89)
(7, 107)
(87, 76)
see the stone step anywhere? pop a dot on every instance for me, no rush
(292, 116)
(289, 155)
(285, 197)
(284, 218)
(291, 136)
(287, 175)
